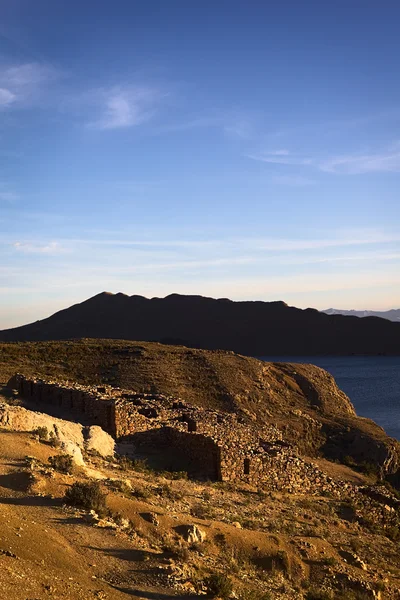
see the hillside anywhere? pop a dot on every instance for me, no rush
(303, 401)
(251, 328)
(155, 533)
(390, 315)
(163, 537)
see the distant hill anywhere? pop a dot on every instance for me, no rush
(252, 328)
(390, 315)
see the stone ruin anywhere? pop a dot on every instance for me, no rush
(176, 436)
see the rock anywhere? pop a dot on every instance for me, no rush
(237, 525)
(91, 517)
(17, 418)
(151, 517)
(354, 560)
(99, 441)
(72, 435)
(192, 534)
(106, 524)
(74, 451)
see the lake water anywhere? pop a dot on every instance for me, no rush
(371, 382)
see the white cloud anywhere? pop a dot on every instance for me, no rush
(26, 75)
(281, 159)
(6, 97)
(22, 84)
(122, 107)
(359, 164)
(387, 160)
(279, 153)
(34, 248)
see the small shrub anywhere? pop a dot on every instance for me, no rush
(87, 496)
(203, 511)
(122, 486)
(219, 585)
(137, 464)
(180, 475)
(255, 595)
(316, 594)
(262, 495)
(141, 493)
(391, 489)
(62, 463)
(393, 533)
(329, 561)
(140, 464)
(42, 432)
(125, 463)
(199, 547)
(356, 544)
(349, 461)
(348, 594)
(281, 562)
(167, 491)
(53, 440)
(370, 469)
(220, 539)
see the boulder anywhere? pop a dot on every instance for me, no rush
(74, 451)
(99, 441)
(192, 534)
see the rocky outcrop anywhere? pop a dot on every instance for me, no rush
(72, 437)
(361, 441)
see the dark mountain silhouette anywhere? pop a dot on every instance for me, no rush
(252, 328)
(391, 315)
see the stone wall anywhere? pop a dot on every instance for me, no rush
(83, 405)
(176, 436)
(169, 449)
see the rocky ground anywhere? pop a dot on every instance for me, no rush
(164, 536)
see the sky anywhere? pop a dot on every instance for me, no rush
(239, 148)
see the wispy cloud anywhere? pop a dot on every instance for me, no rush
(279, 153)
(216, 249)
(50, 248)
(386, 160)
(233, 124)
(22, 83)
(6, 97)
(281, 159)
(121, 107)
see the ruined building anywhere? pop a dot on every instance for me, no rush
(175, 436)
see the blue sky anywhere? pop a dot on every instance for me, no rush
(236, 149)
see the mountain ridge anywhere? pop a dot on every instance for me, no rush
(391, 315)
(254, 328)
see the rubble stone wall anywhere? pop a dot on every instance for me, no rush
(175, 450)
(205, 443)
(78, 402)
